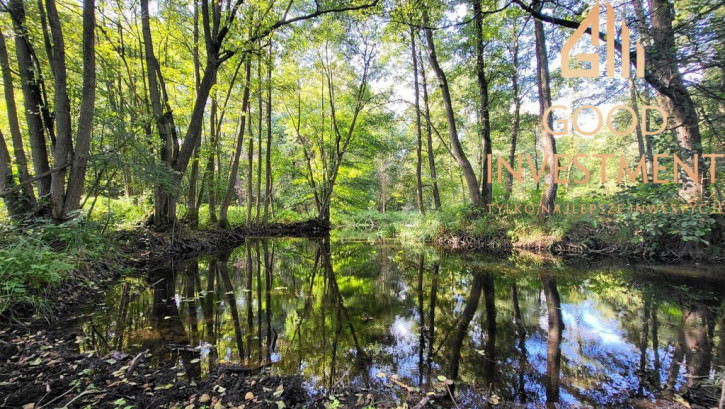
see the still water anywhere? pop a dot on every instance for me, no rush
(524, 328)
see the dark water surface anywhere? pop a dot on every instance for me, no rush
(527, 329)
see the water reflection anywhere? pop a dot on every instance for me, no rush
(526, 330)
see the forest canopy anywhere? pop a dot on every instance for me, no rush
(251, 112)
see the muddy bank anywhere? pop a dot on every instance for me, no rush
(145, 245)
(45, 369)
(583, 248)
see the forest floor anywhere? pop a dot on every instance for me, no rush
(41, 366)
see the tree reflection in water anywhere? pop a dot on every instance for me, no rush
(341, 313)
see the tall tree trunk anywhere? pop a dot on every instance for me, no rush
(456, 148)
(268, 151)
(484, 109)
(419, 135)
(210, 166)
(260, 117)
(663, 59)
(231, 185)
(64, 134)
(429, 138)
(21, 161)
(192, 206)
(548, 144)
(250, 170)
(517, 110)
(77, 178)
(32, 96)
(164, 203)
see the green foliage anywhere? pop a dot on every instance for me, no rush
(29, 268)
(658, 230)
(35, 258)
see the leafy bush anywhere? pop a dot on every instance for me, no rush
(28, 270)
(36, 257)
(662, 230)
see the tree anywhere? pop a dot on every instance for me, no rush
(663, 74)
(456, 148)
(548, 144)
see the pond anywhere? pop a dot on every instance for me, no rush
(524, 328)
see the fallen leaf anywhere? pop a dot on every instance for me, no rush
(280, 404)
(249, 396)
(35, 362)
(204, 398)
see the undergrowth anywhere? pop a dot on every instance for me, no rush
(35, 258)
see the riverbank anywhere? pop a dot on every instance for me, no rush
(643, 237)
(42, 364)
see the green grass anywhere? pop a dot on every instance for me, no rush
(35, 258)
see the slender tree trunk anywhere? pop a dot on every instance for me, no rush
(77, 178)
(419, 135)
(548, 144)
(63, 149)
(268, 151)
(484, 109)
(165, 203)
(260, 117)
(21, 161)
(517, 110)
(192, 204)
(210, 167)
(231, 185)
(32, 96)
(456, 148)
(429, 138)
(250, 170)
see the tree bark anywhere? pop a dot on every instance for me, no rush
(268, 151)
(250, 169)
(63, 149)
(548, 144)
(429, 138)
(77, 178)
(483, 109)
(663, 60)
(165, 203)
(12, 199)
(419, 134)
(223, 209)
(32, 96)
(456, 148)
(260, 117)
(21, 161)
(517, 110)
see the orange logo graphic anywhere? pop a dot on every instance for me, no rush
(592, 20)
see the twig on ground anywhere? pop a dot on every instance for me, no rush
(135, 361)
(422, 403)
